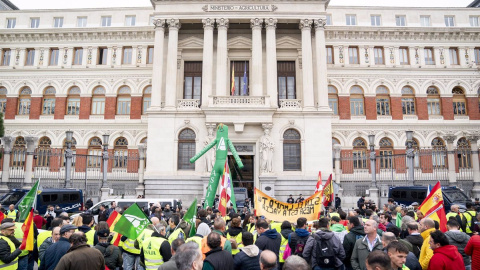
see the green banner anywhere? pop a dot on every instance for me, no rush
(190, 217)
(132, 222)
(27, 203)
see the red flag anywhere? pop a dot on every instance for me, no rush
(328, 192)
(27, 228)
(2, 216)
(318, 188)
(225, 190)
(432, 207)
(112, 220)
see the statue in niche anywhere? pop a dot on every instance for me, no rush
(210, 155)
(267, 146)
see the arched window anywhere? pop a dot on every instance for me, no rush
(292, 153)
(95, 153)
(186, 149)
(24, 101)
(459, 101)
(43, 152)
(73, 101)
(48, 107)
(123, 100)
(18, 152)
(386, 153)
(383, 100)
(98, 100)
(433, 101)
(147, 98)
(333, 99)
(356, 101)
(3, 99)
(359, 154)
(120, 153)
(439, 155)
(408, 100)
(335, 141)
(464, 154)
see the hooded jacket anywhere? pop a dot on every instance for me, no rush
(460, 240)
(339, 231)
(349, 242)
(111, 254)
(234, 231)
(473, 249)
(310, 253)
(297, 235)
(446, 258)
(270, 240)
(247, 259)
(416, 240)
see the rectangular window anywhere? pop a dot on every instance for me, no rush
(78, 56)
(123, 105)
(449, 21)
(150, 20)
(7, 53)
(130, 20)
(353, 55)
(333, 103)
(408, 106)
(150, 55)
(329, 19)
(386, 157)
(11, 22)
(359, 159)
(98, 105)
(453, 56)
(24, 106)
(185, 151)
(459, 107)
(404, 56)
(376, 20)
(30, 57)
(147, 101)
(474, 21)
(286, 79)
(433, 105)
(102, 56)
(106, 21)
(401, 20)
(54, 53)
(58, 22)
(34, 22)
(241, 78)
(425, 20)
(477, 55)
(292, 157)
(351, 19)
(429, 58)
(81, 21)
(383, 106)
(356, 106)
(3, 105)
(330, 59)
(127, 55)
(48, 106)
(73, 106)
(193, 80)
(379, 57)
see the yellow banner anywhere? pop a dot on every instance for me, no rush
(280, 211)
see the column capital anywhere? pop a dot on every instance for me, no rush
(256, 23)
(174, 23)
(320, 23)
(159, 24)
(31, 143)
(271, 23)
(450, 138)
(208, 23)
(306, 24)
(8, 144)
(473, 138)
(222, 22)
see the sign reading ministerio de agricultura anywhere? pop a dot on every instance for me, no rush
(239, 8)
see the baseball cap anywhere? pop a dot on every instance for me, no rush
(104, 233)
(66, 228)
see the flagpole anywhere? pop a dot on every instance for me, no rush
(36, 194)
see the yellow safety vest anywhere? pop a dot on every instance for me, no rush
(468, 216)
(276, 225)
(13, 265)
(90, 236)
(283, 246)
(151, 252)
(19, 235)
(12, 214)
(196, 239)
(250, 227)
(42, 237)
(129, 246)
(144, 235)
(174, 235)
(255, 236)
(238, 239)
(334, 215)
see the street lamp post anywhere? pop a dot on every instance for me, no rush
(410, 157)
(371, 140)
(68, 158)
(105, 160)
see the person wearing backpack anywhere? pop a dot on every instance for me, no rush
(298, 239)
(469, 218)
(111, 253)
(355, 232)
(324, 250)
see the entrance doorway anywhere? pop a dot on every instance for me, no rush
(243, 177)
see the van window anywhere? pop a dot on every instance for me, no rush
(12, 198)
(65, 198)
(49, 198)
(124, 204)
(74, 197)
(455, 195)
(399, 194)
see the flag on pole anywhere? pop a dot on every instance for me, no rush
(227, 196)
(27, 203)
(245, 80)
(27, 228)
(432, 207)
(190, 217)
(132, 223)
(319, 186)
(112, 220)
(328, 192)
(233, 79)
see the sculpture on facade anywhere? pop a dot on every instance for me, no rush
(209, 155)
(223, 144)
(267, 147)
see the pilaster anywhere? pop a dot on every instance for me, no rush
(271, 53)
(171, 79)
(307, 64)
(257, 58)
(207, 64)
(222, 60)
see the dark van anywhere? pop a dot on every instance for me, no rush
(70, 200)
(408, 195)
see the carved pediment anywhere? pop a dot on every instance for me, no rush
(287, 42)
(240, 42)
(190, 43)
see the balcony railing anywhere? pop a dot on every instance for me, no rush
(290, 104)
(188, 104)
(238, 101)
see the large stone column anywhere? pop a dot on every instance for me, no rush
(171, 80)
(207, 64)
(307, 64)
(157, 78)
(452, 174)
(222, 61)
(257, 57)
(31, 145)
(271, 51)
(7, 152)
(322, 83)
(475, 165)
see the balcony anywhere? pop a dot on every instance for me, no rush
(188, 104)
(290, 104)
(238, 101)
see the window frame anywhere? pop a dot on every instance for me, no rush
(150, 54)
(238, 74)
(286, 71)
(474, 21)
(146, 99)
(95, 153)
(460, 107)
(192, 71)
(43, 152)
(429, 54)
(130, 20)
(54, 56)
(34, 22)
(330, 55)
(106, 21)
(82, 21)
(24, 109)
(124, 101)
(375, 20)
(186, 148)
(355, 57)
(379, 55)
(386, 153)
(409, 106)
(6, 57)
(11, 23)
(434, 102)
(98, 99)
(349, 18)
(77, 56)
(30, 57)
(359, 154)
(127, 55)
(357, 102)
(48, 101)
(120, 153)
(73, 99)
(449, 21)
(292, 162)
(402, 55)
(382, 101)
(58, 22)
(102, 56)
(425, 20)
(400, 20)
(333, 99)
(453, 54)
(3, 99)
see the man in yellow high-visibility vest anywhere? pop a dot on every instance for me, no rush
(8, 253)
(12, 212)
(156, 249)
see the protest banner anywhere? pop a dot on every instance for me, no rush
(280, 211)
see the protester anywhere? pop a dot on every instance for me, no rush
(426, 227)
(473, 249)
(56, 251)
(396, 231)
(298, 238)
(218, 228)
(411, 260)
(156, 249)
(445, 256)
(268, 239)
(414, 238)
(234, 234)
(295, 262)
(364, 246)
(249, 223)
(217, 258)
(113, 205)
(338, 202)
(248, 257)
(49, 216)
(189, 257)
(378, 260)
(77, 221)
(88, 204)
(175, 231)
(171, 264)
(268, 260)
(458, 239)
(290, 199)
(8, 251)
(48, 242)
(12, 212)
(469, 217)
(86, 228)
(361, 201)
(338, 229)
(102, 213)
(81, 256)
(38, 220)
(356, 232)
(111, 253)
(398, 255)
(285, 231)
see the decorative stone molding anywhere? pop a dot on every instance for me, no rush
(320, 23)
(290, 104)
(271, 23)
(305, 24)
(247, 101)
(174, 23)
(222, 22)
(186, 104)
(450, 138)
(208, 23)
(159, 24)
(7, 144)
(256, 23)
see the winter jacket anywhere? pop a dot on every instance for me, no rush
(270, 240)
(299, 234)
(218, 259)
(339, 231)
(349, 242)
(426, 252)
(85, 229)
(54, 253)
(82, 257)
(228, 244)
(446, 258)
(234, 231)
(285, 233)
(473, 249)
(361, 251)
(310, 251)
(43, 247)
(460, 240)
(6, 256)
(412, 262)
(247, 259)
(170, 265)
(416, 240)
(111, 254)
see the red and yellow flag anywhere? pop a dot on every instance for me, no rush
(112, 220)
(328, 192)
(233, 80)
(432, 207)
(27, 228)
(319, 185)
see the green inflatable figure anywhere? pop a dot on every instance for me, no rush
(223, 144)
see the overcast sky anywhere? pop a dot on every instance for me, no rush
(61, 4)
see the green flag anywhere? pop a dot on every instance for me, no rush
(190, 217)
(132, 222)
(398, 221)
(27, 202)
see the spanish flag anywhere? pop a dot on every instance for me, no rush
(233, 79)
(28, 231)
(328, 192)
(112, 220)
(432, 207)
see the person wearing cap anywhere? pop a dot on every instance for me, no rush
(111, 253)
(300, 199)
(156, 249)
(8, 252)
(290, 199)
(56, 251)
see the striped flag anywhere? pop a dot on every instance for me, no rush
(27, 228)
(112, 220)
(328, 192)
(233, 80)
(319, 186)
(227, 196)
(244, 90)
(432, 207)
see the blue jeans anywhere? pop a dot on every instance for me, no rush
(23, 263)
(130, 261)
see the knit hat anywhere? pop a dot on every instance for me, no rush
(203, 229)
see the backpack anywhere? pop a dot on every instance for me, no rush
(465, 222)
(324, 253)
(300, 246)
